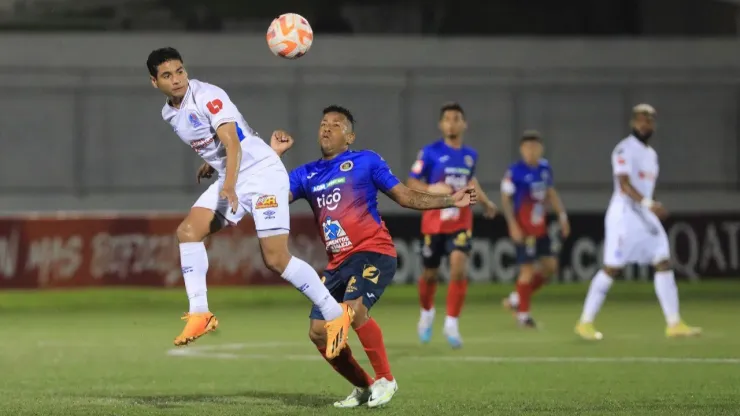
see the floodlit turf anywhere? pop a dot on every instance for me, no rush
(109, 352)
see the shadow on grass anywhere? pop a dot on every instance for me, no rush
(248, 397)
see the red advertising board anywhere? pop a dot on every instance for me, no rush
(54, 252)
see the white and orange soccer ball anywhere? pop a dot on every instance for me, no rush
(289, 36)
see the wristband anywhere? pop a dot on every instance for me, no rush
(647, 203)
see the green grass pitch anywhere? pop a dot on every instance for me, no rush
(109, 352)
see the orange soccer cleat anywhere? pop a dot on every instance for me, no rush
(198, 325)
(337, 332)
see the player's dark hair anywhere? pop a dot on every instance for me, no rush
(343, 111)
(531, 136)
(451, 106)
(160, 56)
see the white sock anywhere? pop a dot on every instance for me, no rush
(667, 291)
(304, 278)
(522, 316)
(451, 322)
(427, 317)
(600, 285)
(194, 262)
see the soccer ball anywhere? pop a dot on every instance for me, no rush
(289, 36)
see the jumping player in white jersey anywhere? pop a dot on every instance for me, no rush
(634, 233)
(251, 180)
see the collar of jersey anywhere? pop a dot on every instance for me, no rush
(334, 159)
(185, 97)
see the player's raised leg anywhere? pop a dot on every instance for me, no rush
(199, 224)
(457, 288)
(304, 278)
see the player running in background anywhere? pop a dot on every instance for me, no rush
(526, 190)
(444, 167)
(342, 189)
(251, 180)
(633, 230)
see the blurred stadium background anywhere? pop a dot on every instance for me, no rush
(93, 183)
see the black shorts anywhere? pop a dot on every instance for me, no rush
(533, 249)
(364, 274)
(437, 246)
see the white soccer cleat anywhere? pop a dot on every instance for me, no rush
(358, 397)
(453, 337)
(381, 392)
(424, 328)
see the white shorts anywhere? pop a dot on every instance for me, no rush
(262, 193)
(634, 236)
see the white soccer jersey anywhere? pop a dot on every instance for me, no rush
(640, 162)
(204, 108)
(633, 233)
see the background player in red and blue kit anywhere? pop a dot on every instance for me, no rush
(526, 190)
(443, 167)
(342, 189)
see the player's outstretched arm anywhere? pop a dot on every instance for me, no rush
(417, 184)
(420, 200)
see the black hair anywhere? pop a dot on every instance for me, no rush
(531, 136)
(343, 111)
(160, 56)
(451, 106)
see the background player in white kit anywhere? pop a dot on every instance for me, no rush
(634, 233)
(251, 180)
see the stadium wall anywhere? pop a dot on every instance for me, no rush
(98, 250)
(85, 132)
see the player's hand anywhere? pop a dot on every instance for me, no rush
(490, 210)
(281, 141)
(439, 188)
(465, 197)
(515, 232)
(564, 226)
(205, 171)
(659, 210)
(228, 193)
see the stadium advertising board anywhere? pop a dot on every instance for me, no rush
(142, 251)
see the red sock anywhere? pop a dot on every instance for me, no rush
(537, 282)
(456, 291)
(347, 367)
(371, 338)
(427, 290)
(525, 294)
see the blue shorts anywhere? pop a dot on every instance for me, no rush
(437, 246)
(362, 274)
(533, 249)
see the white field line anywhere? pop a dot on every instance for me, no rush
(234, 351)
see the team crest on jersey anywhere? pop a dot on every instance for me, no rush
(346, 166)
(194, 120)
(266, 201)
(469, 162)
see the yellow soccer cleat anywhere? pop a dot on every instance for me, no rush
(682, 330)
(337, 332)
(198, 325)
(587, 331)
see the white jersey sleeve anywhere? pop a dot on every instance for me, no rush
(622, 159)
(216, 105)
